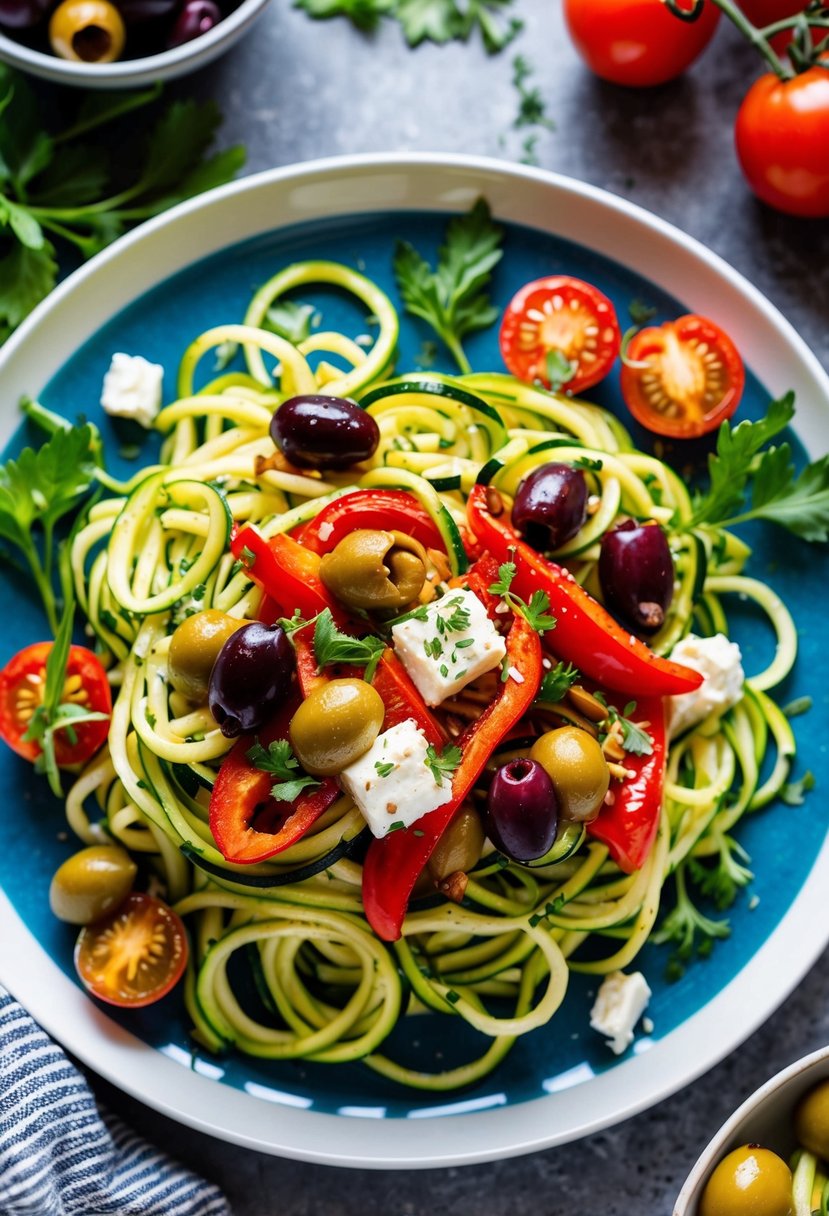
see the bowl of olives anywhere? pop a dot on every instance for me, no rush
(112, 44)
(771, 1158)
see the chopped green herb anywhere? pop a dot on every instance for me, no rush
(248, 557)
(397, 826)
(443, 765)
(453, 997)
(557, 682)
(151, 719)
(453, 298)
(333, 646)
(590, 464)
(640, 312)
(279, 760)
(793, 792)
(433, 648)
(384, 769)
(559, 369)
(290, 319)
(800, 705)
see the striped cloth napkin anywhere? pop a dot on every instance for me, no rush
(61, 1156)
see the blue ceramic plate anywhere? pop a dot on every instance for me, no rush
(198, 267)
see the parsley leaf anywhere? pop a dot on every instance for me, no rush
(280, 760)
(506, 573)
(453, 298)
(54, 186)
(290, 319)
(557, 682)
(384, 768)
(39, 487)
(333, 646)
(535, 611)
(436, 21)
(798, 503)
(364, 14)
(53, 714)
(634, 738)
(531, 106)
(443, 764)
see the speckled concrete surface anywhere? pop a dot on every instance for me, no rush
(296, 89)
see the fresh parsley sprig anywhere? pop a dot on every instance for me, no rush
(443, 764)
(331, 645)
(37, 489)
(427, 20)
(453, 298)
(536, 610)
(799, 503)
(54, 714)
(557, 683)
(279, 759)
(633, 737)
(55, 186)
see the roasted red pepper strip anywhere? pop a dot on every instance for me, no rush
(242, 793)
(287, 572)
(394, 863)
(402, 700)
(628, 825)
(389, 510)
(585, 633)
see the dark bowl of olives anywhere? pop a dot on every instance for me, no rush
(771, 1152)
(112, 44)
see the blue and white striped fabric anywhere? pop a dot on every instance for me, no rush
(61, 1156)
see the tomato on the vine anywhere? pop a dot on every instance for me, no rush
(22, 685)
(637, 42)
(782, 138)
(765, 12)
(565, 320)
(133, 956)
(690, 380)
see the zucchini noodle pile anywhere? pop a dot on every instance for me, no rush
(324, 987)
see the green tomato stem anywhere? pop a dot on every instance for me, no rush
(757, 37)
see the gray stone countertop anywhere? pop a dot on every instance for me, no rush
(296, 89)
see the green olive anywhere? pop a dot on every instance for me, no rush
(577, 768)
(750, 1181)
(459, 848)
(373, 569)
(87, 31)
(194, 648)
(336, 725)
(91, 883)
(811, 1120)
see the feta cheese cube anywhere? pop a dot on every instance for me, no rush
(620, 1003)
(132, 389)
(391, 784)
(448, 645)
(720, 662)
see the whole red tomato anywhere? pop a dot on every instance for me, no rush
(637, 42)
(782, 137)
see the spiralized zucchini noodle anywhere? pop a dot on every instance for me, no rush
(156, 548)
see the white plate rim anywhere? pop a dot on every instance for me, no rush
(611, 225)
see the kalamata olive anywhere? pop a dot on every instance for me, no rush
(250, 677)
(91, 883)
(522, 810)
(194, 648)
(575, 764)
(139, 12)
(551, 505)
(336, 725)
(195, 19)
(319, 432)
(636, 572)
(87, 31)
(22, 14)
(811, 1120)
(374, 569)
(751, 1180)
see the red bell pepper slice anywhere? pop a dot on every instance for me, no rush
(585, 633)
(629, 823)
(389, 510)
(393, 864)
(287, 572)
(402, 700)
(242, 793)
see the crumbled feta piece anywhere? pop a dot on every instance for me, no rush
(720, 662)
(132, 388)
(453, 644)
(391, 784)
(620, 1003)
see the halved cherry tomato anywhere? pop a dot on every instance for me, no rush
(133, 956)
(637, 42)
(782, 138)
(565, 316)
(22, 683)
(692, 381)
